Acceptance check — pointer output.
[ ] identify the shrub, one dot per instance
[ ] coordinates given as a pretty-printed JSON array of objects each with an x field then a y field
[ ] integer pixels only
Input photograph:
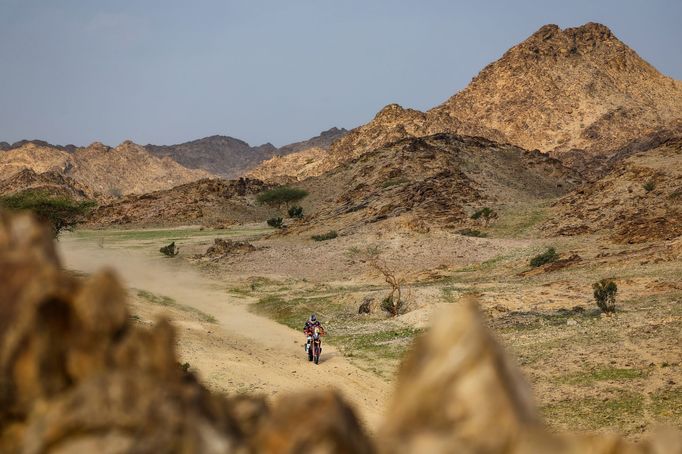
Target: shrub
[
  {"x": 649, "y": 186},
  {"x": 484, "y": 214},
  {"x": 170, "y": 251},
  {"x": 394, "y": 182},
  {"x": 325, "y": 236},
  {"x": 295, "y": 212},
  {"x": 277, "y": 223},
  {"x": 283, "y": 195},
  {"x": 548, "y": 256},
  {"x": 61, "y": 213},
  {"x": 387, "y": 304},
  {"x": 605, "y": 295},
  {"x": 472, "y": 232}
]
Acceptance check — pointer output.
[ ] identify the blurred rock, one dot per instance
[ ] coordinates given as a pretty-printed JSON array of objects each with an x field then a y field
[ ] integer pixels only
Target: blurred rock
[
  {"x": 317, "y": 422},
  {"x": 77, "y": 376},
  {"x": 457, "y": 390}
]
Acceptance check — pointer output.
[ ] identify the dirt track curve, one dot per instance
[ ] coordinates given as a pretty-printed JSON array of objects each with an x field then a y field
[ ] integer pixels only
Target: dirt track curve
[{"x": 257, "y": 350}]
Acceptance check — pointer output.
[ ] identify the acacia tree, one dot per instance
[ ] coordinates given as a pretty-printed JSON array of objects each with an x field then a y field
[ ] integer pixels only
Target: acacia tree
[
  {"x": 282, "y": 195},
  {"x": 60, "y": 212}
]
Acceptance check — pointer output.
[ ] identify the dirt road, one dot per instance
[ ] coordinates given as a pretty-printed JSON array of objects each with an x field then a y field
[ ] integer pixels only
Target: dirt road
[{"x": 243, "y": 351}]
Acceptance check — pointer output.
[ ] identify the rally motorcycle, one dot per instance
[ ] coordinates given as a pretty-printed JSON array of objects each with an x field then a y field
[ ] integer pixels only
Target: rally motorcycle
[{"x": 314, "y": 345}]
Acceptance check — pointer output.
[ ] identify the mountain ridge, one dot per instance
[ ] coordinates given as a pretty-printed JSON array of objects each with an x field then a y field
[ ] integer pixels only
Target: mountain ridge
[{"x": 558, "y": 90}]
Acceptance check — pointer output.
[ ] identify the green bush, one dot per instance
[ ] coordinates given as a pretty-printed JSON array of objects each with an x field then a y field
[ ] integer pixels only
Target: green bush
[
  {"x": 484, "y": 214},
  {"x": 472, "y": 232},
  {"x": 548, "y": 256},
  {"x": 605, "y": 295},
  {"x": 277, "y": 223},
  {"x": 325, "y": 236},
  {"x": 61, "y": 213},
  {"x": 649, "y": 186},
  {"x": 170, "y": 251},
  {"x": 394, "y": 182},
  {"x": 295, "y": 212},
  {"x": 283, "y": 195}
]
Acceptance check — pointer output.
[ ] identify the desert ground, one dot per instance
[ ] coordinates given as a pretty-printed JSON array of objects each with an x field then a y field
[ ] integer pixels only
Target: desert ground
[{"x": 239, "y": 317}]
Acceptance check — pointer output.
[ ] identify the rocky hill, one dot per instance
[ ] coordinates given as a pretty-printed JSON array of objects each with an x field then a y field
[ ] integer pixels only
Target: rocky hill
[
  {"x": 639, "y": 200},
  {"x": 211, "y": 202},
  {"x": 53, "y": 182},
  {"x": 297, "y": 166},
  {"x": 437, "y": 180},
  {"x": 559, "y": 90},
  {"x": 230, "y": 158},
  {"x": 101, "y": 171},
  {"x": 220, "y": 155}
]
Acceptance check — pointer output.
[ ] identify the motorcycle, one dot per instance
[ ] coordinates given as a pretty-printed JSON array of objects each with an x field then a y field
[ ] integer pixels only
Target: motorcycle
[{"x": 314, "y": 345}]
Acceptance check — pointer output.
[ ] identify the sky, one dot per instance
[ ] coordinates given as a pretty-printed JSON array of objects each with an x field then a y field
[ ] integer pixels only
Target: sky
[{"x": 167, "y": 71}]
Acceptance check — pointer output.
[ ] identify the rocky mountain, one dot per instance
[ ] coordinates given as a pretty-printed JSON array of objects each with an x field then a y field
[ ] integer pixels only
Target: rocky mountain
[
  {"x": 437, "y": 180},
  {"x": 210, "y": 202},
  {"x": 639, "y": 200},
  {"x": 230, "y": 158},
  {"x": 557, "y": 91},
  {"x": 219, "y": 155},
  {"x": 103, "y": 172},
  {"x": 4, "y": 146}
]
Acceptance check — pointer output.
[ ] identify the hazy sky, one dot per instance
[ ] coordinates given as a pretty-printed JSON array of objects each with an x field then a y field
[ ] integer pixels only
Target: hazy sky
[{"x": 166, "y": 71}]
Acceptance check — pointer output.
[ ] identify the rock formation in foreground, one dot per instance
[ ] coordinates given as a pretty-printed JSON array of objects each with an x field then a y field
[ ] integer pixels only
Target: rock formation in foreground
[{"x": 77, "y": 375}]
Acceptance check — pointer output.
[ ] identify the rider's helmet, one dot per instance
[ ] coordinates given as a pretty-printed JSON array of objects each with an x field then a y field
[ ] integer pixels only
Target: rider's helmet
[{"x": 313, "y": 317}]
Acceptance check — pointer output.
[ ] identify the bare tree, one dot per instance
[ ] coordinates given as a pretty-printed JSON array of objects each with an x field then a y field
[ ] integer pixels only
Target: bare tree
[{"x": 393, "y": 303}]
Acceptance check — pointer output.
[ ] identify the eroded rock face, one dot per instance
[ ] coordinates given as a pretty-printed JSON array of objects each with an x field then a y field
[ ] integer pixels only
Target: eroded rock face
[{"x": 77, "y": 376}]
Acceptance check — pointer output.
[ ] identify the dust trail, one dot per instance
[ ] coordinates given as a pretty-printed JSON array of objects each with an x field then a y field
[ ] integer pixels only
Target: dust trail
[{"x": 259, "y": 351}]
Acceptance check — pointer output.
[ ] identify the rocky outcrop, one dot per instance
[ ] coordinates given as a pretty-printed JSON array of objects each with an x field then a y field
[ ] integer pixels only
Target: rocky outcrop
[
  {"x": 53, "y": 182},
  {"x": 78, "y": 375},
  {"x": 103, "y": 172},
  {"x": 211, "y": 202},
  {"x": 291, "y": 168},
  {"x": 638, "y": 200}
]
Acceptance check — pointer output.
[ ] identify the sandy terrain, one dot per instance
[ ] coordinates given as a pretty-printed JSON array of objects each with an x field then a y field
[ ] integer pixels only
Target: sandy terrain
[{"x": 241, "y": 351}]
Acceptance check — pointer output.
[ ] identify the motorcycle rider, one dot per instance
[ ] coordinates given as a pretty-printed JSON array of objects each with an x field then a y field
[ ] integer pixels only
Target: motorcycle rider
[{"x": 309, "y": 328}]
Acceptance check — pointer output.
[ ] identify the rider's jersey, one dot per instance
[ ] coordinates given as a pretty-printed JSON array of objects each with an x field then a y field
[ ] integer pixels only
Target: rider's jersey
[{"x": 310, "y": 326}]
